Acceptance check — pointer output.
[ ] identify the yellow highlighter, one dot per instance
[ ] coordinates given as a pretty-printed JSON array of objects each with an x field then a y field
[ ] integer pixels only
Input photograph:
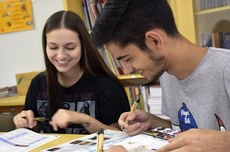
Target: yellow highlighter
[{"x": 100, "y": 140}]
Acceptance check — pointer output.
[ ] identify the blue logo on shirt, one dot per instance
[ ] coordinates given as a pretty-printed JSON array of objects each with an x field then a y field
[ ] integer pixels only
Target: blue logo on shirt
[{"x": 186, "y": 120}]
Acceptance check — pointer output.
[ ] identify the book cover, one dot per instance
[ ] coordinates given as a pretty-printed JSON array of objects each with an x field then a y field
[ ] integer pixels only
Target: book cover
[{"x": 216, "y": 39}]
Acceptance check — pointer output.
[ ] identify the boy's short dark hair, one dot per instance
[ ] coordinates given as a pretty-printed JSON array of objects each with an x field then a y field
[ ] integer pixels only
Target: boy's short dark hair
[{"x": 127, "y": 21}]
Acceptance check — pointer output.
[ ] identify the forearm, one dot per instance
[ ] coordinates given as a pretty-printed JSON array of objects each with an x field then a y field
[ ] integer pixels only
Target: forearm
[
  {"x": 225, "y": 138},
  {"x": 159, "y": 122},
  {"x": 92, "y": 125}
]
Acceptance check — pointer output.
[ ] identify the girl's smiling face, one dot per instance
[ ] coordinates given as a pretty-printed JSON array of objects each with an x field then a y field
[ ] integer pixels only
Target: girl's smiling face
[{"x": 64, "y": 49}]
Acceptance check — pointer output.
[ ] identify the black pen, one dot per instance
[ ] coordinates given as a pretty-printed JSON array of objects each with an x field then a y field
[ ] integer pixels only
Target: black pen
[{"x": 100, "y": 140}]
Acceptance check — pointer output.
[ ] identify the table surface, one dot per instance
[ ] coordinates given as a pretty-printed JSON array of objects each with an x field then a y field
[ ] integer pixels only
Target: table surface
[
  {"x": 62, "y": 139},
  {"x": 12, "y": 101}
]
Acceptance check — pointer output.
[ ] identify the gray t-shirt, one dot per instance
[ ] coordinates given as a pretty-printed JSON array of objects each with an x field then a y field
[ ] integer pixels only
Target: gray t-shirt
[{"x": 202, "y": 100}]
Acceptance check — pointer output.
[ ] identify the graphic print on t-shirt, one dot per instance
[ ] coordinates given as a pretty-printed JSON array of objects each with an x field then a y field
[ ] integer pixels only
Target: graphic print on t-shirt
[
  {"x": 87, "y": 107},
  {"x": 186, "y": 119}
]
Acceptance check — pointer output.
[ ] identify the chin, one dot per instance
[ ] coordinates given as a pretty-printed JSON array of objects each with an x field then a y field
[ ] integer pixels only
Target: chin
[{"x": 61, "y": 70}]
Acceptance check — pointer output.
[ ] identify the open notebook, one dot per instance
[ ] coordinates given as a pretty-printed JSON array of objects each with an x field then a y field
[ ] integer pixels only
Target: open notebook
[
  {"x": 149, "y": 141},
  {"x": 22, "y": 140}
]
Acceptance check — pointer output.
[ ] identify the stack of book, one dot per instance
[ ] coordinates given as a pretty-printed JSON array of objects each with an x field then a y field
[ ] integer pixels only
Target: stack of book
[
  {"x": 209, "y": 4},
  {"x": 217, "y": 39},
  {"x": 4, "y": 91}
]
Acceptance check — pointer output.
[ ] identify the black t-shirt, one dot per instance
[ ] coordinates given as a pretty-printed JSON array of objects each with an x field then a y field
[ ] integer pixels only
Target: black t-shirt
[{"x": 98, "y": 96}]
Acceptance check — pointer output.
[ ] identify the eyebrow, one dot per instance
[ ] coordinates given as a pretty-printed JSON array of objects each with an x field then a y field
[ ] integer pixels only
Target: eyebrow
[{"x": 121, "y": 57}]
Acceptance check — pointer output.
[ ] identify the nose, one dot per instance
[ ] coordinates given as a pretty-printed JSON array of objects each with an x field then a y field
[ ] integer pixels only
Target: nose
[
  {"x": 61, "y": 54},
  {"x": 127, "y": 68}
]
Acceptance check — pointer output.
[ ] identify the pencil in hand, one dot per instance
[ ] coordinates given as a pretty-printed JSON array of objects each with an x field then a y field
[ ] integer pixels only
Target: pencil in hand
[
  {"x": 41, "y": 119},
  {"x": 100, "y": 140},
  {"x": 135, "y": 104}
]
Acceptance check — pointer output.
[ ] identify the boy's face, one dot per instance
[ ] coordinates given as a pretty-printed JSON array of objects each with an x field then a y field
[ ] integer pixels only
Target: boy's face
[{"x": 133, "y": 59}]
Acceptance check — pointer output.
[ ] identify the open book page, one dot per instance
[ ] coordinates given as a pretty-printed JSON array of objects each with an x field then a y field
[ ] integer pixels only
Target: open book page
[
  {"x": 138, "y": 143},
  {"x": 22, "y": 140},
  {"x": 88, "y": 143}
]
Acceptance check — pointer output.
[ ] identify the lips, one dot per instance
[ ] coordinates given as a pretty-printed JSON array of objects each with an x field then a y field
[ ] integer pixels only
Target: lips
[{"x": 62, "y": 61}]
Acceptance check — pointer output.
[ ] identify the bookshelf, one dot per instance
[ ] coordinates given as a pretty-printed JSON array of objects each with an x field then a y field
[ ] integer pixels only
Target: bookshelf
[
  {"x": 133, "y": 79},
  {"x": 74, "y": 5},
  {"x": 210, "y": 17}
]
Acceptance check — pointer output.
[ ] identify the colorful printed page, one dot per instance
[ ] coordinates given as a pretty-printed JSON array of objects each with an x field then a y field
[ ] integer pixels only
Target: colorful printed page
[
  {"x": 138, "y": 143},
  {"x": 22, "y": 140},
  {"x": 88, "y": 143}
]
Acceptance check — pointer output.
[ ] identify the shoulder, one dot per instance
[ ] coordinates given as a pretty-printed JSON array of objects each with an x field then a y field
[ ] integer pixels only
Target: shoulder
[
  {"x": 104, "y": 81},
  {"x": 227, "y": 77},
  {"x": 219, "y": 53},
  {"x": 101, "y": 79},
  {"x": 39, "y": 78},
  {"x": 227, "y": 70}
]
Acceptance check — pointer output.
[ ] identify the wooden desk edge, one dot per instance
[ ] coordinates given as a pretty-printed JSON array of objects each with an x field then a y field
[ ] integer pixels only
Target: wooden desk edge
[{"x": 13, "y": 101}]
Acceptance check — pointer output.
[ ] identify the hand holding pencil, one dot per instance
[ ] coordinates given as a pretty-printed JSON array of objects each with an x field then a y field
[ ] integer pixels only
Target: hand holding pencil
[
  {"x": 134, "y": 106},
  {"x": 26, "y": 119},
  {"x": 135, "y": 121}
]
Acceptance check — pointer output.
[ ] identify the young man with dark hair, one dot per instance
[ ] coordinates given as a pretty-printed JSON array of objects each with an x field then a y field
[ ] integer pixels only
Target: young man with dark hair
[{"x": 195, "y": 81}]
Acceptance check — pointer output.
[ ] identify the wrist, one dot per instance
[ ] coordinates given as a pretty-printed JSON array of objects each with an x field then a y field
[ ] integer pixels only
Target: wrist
[{"x": 85, "y": 120}]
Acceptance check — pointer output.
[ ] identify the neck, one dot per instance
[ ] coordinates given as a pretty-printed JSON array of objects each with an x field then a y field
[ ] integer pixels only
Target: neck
[
  {"x": 184, "y": 57},
  {"x": 70, "y": 78}
]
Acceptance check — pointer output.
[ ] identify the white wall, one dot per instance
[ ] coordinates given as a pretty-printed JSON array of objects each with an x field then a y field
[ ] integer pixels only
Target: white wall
[{"x": 22, "y": 51}]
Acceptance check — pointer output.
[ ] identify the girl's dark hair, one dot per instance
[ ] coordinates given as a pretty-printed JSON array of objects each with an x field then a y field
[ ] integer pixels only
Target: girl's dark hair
[
  {"x": 127, "y": 21},
  {"x": 91, "y": 61}
]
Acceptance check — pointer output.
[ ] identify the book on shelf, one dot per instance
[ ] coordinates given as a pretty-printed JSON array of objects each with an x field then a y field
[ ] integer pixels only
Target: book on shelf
[
  {"x": 91, "y": 9},
  {"x": 86, "y": 15},
  {"x": 149, "y": 140},
  {"x": 216, "y": 39},
  {"x": 134, "y": 92},
  {"x": 210, "y": 4},
  {"x": 225, "y": 40},
  {"x": 206, "y": 39}
]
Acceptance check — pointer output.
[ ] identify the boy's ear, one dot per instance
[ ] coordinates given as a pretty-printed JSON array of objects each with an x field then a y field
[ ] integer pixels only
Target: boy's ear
[{"x": 154, "y": 40}]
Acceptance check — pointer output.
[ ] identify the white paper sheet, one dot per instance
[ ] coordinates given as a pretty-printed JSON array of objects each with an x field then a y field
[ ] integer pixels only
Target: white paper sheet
[{"x": 22, "y": 140}]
